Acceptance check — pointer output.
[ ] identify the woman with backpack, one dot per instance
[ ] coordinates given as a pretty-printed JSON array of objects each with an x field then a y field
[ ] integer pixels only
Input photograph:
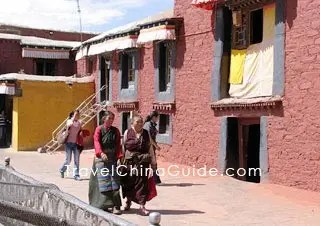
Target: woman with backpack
[{"x": 74, "y": 126}]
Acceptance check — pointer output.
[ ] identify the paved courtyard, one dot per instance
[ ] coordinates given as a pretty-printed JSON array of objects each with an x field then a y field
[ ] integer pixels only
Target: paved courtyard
[{"x": 191, "y": 200}]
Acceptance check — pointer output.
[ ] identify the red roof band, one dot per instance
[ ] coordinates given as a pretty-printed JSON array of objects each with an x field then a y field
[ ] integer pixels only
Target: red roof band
[{"x": 204, "y": 4}]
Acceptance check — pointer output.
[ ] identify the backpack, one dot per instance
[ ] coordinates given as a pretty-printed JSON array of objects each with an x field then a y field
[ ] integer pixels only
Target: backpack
[{"x": 62, "y": 136}]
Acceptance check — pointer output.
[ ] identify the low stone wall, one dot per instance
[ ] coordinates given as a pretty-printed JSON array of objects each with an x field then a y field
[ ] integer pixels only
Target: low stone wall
[{"x": 20, "y": 191}]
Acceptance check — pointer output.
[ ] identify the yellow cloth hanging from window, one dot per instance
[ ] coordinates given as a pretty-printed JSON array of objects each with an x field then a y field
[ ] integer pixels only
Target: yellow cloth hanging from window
[{"x": 238, "y": 58}]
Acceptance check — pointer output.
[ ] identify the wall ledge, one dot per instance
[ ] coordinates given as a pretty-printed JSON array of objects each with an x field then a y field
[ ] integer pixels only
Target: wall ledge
[{"x": 250, "y": 103}]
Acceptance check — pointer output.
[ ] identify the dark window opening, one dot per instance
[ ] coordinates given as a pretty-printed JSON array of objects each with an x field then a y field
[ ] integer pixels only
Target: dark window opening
[
  {"x": 104, "y": 79},
  {"x": 45, "y": 67},
  {"x": 165, "y": 57},
  {"x": 164, "y": 124},
  {"x": 256, "y": 26},
  {"x": 125, "y": 121},
  {"x": 128, "y": 70},
  {"x": 227, "y": 21}
]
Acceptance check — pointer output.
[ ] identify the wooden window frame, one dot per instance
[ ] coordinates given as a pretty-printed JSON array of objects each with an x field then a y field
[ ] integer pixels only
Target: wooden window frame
[{"x": 245, "y": 26}]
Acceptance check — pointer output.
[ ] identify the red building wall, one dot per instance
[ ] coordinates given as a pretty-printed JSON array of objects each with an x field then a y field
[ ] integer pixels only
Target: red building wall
[
  {"x": 193, "y": 91},
  {"x": 293, "y": 132},
  {"x": 195, "y": 129},
  {"x": 82, "y": 66},
  {"x": 11, "y": 60},
  {"x": 42, "y": 33},
  {"x": 294, "y": 140}
]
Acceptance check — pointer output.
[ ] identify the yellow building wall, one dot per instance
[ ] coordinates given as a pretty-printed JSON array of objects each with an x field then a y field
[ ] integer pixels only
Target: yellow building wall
[{"x": 42, "y": 107}]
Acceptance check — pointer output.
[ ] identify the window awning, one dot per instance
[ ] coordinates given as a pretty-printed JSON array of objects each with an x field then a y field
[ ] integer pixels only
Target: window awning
[
  {"x": 163, "y": 32},
  {"x": 45, "y": 53},
  {"x": 126, "y": 105},
  {"x": 82, "y": 52},
  {"x": 113, "y": 44},
  {"x": 163, "y": 106},
  {"x": 95, "y": 49},
  {"x": 204, "y": 4},
  {"x": 7, "y": 88}
]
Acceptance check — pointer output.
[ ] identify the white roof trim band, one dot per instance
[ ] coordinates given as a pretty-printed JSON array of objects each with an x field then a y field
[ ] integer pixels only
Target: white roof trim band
[
  {"x": 113, "y": 44},
  {"x": 165, "y": 32}
]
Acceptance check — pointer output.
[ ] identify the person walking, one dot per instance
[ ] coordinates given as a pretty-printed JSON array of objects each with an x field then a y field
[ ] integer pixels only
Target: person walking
[
  {"x": 151, "y": 126},
  {"x": 74, "y": 125},
  {"x": 136, "y": 186},
  {"x": 104, "y": 181}
]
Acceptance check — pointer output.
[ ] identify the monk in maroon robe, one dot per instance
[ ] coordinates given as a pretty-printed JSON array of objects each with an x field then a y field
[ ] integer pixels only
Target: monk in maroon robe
[{"x": 138, "y": 156}]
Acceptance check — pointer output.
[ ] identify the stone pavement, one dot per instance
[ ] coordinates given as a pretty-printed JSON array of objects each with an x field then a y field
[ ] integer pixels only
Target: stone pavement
[{"x": 191, "y": 200}]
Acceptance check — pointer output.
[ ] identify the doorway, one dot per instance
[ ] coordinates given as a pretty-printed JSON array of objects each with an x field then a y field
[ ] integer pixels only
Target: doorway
[
  {"x": 6, "y": 108},
  {"x": 125, "y": 121},
  {"x": 243, "y": 148},
  {"x": 104, "y": 78}
]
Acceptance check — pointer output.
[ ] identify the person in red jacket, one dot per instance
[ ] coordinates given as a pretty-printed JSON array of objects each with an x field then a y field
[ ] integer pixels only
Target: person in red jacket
[{"x": 104, "y": 184}]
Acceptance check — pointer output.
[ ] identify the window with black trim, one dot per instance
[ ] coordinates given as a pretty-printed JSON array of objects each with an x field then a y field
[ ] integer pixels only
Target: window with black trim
[
  {"x": 165, "y": 59},
  {"x": 45, "y": 67},
  {"x": 128, "y": 70},
  {"x": 164, "y": 124}
]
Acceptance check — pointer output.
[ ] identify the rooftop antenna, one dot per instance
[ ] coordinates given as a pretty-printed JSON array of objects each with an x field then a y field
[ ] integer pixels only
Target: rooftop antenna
[{"x": 79, "y": 11}]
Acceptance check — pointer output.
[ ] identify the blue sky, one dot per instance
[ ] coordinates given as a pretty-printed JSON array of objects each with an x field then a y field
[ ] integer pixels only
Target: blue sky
[
  {"x": 133, "y": 14},
  {"x": 97, "y": 15}
]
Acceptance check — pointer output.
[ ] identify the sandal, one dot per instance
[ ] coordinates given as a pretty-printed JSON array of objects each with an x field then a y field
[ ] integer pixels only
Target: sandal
[
  {"x": 144, "y": 211},
  {"x": 116, "y": 210},
  {"x": 127, "y": 206}
]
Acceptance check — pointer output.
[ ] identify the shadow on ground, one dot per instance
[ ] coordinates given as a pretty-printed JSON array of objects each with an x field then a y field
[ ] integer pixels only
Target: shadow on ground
[
  {"x": 71, "y": 178},
  {"x": 166, "y": 212},
  {"x": 179, "y": 185}
]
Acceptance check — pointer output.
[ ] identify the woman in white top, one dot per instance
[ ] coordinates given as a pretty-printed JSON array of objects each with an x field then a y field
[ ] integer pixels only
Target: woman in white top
[{"x": 73, "y": 127}]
